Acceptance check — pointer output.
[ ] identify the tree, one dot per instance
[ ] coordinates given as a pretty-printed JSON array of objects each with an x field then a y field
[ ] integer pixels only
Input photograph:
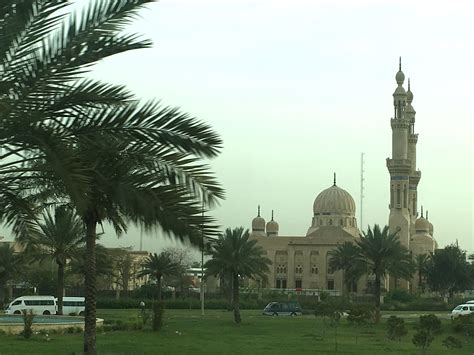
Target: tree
[
  {"x": 421, "y": 264},
  {"x": 104, "y": 267},
  {"x": 182, "y": 257},
  {"x": 383, "y": 255},
  {"x": 11, "y": 264},
  {"x": 346, "y": 257},
  {"x": 235, "y": 255},
  {"x": 88, "y": 143},
  {"x": 59, "y": 237},
  {"x": 449, "y": 271},
  {"x": 124, "y": 271},
  {"x": 156, "y": 266}
]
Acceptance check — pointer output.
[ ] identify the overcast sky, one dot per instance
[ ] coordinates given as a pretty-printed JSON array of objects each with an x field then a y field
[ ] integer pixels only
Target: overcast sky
[{"x": 299, "y": 89}]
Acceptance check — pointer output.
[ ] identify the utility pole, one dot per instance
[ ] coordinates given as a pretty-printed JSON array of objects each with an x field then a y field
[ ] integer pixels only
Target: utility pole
[{"x": 361, "y": 191}]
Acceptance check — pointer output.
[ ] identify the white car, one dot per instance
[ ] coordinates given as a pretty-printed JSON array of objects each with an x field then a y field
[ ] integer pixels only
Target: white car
[{"x": 463, "y": 309}]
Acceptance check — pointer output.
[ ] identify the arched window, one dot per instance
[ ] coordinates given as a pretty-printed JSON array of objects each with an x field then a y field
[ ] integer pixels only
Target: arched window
[{"x": 330, "y": 222}]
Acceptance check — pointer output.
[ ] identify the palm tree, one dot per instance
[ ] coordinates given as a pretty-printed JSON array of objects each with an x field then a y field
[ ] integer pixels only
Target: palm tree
[
  {"x": 235, "y": 255},
  {"x": 59, "y": 238},
  {"x": 346, "y": 257},
  {"x": 421, "y": 264},
  {"x": 383, "y": 255},
  {"x": 10, "y": 265},
  {"x": 156, "y": 266},
  {"x": 87, "y": 143}
]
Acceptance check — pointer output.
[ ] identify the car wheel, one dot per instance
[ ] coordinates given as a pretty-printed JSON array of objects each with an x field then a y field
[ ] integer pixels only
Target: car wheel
[
  {"x": 17, "y": 312},
  {"x": 275, "y": 314},
  {"x": 293, "y": 314},
  {"x": 46, "y": 313}
]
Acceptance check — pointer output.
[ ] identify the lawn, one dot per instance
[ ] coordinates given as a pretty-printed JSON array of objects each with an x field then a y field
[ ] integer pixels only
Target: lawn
[{"x": 187, "y": 332}]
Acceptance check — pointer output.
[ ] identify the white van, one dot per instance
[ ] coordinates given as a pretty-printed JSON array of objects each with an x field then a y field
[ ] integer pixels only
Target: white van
[
  {"x": 73, "y": 305},
  {"x": 45, "y": 305},
  {"x": 463, "y": 309}
]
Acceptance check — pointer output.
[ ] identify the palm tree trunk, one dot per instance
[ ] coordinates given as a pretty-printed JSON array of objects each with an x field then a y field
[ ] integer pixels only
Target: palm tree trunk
[
  {"x": 90, "y": 289},
  {"x": 377, "y": 292},
  {"x": 235, "y": 300},
  {"x": 158, "y": 285},
  {"x": 420, "y": 280},
  {"x": 60, "y": 289}
]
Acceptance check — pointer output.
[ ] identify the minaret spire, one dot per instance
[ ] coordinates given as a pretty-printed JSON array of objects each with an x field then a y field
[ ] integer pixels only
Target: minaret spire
[
  {"x": 400, "y": 63},
  {"x": 272, "y": 215},
  {"x": 258, "y": 215},
  {"x": 334, "y": 179},
  {"x": 426, "y": 214},
  {"x": 421, "y": 211}
]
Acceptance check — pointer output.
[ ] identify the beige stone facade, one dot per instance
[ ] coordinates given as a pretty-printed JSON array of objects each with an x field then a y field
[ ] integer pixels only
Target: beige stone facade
[{"x": 301, "y": 262}]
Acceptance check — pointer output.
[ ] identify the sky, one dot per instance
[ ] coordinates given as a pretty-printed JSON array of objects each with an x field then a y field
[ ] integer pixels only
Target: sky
[{"x": 299, "y": 89}]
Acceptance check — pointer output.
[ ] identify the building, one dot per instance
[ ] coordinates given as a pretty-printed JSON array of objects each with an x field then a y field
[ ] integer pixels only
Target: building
[{"x": 302, "y": 262}]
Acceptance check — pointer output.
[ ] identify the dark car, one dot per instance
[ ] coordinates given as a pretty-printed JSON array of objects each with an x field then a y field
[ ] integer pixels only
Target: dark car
[{"x": 282, "y": 309}]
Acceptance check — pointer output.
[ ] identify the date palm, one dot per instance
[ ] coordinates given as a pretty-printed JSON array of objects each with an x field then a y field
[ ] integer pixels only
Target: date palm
[
  {"x": 11, "y": 264},
  {"x": 59, "y": 237},
  {"x": 87, "y": 143},
  {"x": 157, "y": 266},
  {"x": 346, "y": 257},
  {"x": 235, "y": 255},
  {"x": 421, "y": 264},
  {"x": 384, "y": 255}
]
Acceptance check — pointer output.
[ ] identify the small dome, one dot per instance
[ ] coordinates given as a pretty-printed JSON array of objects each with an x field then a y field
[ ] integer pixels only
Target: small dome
[
  {"x": 400, "y": 77},
  {"x": 334, "y": 201},
  {"x": 258, "y": 224},
  {"x": 409, "y": 96},
  {"x": 272, "y": 227},
  {"x": 399, "y": 91},
  {"x": 422, "y": 225}
]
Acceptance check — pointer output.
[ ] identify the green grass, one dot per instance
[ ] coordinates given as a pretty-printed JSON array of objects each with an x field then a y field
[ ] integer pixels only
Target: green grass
[{"x": 187, "y": 332}]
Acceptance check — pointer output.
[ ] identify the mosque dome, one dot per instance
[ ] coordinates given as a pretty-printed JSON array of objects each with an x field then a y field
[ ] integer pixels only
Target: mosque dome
[
  {"x": 422, "y": 225},
  {"x": 409, "y": 96},
  {"x": 400, "y": 77},
  {"x": 258, "y": 224},
  {"x": 334, "y": 201},
  {"x": 272, "y": 227}
]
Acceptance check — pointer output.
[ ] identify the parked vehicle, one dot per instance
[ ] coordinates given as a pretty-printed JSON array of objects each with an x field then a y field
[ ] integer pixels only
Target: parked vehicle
[
  {"x": 463, "y": 309},
  {"x": 282, "y": 309},
  {"x": 45, "y": 305},
  {"x": 73, "y": 305}
]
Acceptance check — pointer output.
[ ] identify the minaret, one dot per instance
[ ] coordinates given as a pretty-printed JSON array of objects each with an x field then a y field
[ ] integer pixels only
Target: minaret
[
  {"x": 415, "y": 175},
  {"x": 399, "y": 166}
]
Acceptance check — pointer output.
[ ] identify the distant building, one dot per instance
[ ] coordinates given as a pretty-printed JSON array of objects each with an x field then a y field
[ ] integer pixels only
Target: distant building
[{"x": 302, "y": 262}]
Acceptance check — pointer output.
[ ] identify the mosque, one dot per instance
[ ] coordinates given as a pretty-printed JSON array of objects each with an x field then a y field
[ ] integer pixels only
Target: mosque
[{"x": 302, "y": 262}]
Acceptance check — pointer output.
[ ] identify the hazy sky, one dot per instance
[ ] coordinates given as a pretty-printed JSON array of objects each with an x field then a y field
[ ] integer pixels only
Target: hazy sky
[{"x": 298, "y": 89}]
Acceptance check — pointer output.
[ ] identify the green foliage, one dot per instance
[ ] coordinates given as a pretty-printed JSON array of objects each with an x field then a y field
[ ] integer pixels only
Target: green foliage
[
  {"x": 422, "y": 339},
  {"x": 383, "y": 254},
  {"x": 11, "y": 264},
  {"x": 158, "y": 313},
  {"x": 346, "y": 257},
  {"x": 323, "y": 295},
  {"x": 452, "y": 343},
  {"x": 449, "y": 271},
  {"x": 396, "y": 328},
  {"x": 27, "y": 323},
  {"x": 431, "y": 323},
  {"x": 361, "y": 314},
  {"x": 464, "y": 324},
  {"x": 428, "y": 326},
  {"x": 400, "y": 296}
]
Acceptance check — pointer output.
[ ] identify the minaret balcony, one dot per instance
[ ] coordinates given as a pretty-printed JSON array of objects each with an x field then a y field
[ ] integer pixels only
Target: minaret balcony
[
  {"x": 413, "y": 138},
  {"x": 399, "y": 166},
  {"x": 399, "y": 123}
]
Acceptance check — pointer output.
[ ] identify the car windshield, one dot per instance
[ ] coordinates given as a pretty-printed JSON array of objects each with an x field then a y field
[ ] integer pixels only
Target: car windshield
[{"x": 458, "y": 308}]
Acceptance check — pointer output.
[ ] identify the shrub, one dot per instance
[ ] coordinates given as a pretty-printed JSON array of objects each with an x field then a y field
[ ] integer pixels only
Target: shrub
[
  {"x": 158, "y": 312},
  {"x": 399, "y": 295},
  {"x": 27, "y": 323},
  {"x": 430, "y": 323},
  {"x": 464, "y": 324},
  {"x": 452, "y": 343},
  {"x": 396, "y": 328},
  {"x": 422, "y": 339},
  {"x": 360, "y": 314}
]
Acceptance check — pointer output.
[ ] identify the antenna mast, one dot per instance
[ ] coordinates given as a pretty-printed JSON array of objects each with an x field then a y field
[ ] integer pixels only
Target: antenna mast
[{"x": 361, "y": 190}]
